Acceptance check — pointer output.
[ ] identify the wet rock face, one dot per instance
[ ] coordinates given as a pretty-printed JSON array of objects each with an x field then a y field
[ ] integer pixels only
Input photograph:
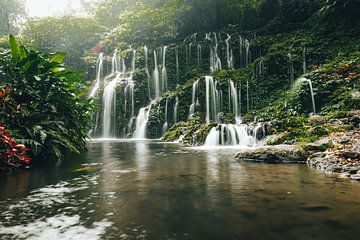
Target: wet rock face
[{"x": 274, "y": 154}]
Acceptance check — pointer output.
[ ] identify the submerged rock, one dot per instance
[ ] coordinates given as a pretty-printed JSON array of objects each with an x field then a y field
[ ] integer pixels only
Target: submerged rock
[{"x": 274, "y": 154}]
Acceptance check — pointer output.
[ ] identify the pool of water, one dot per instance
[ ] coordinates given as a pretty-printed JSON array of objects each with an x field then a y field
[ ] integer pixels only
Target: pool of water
[{"x": 152, "y": 190}]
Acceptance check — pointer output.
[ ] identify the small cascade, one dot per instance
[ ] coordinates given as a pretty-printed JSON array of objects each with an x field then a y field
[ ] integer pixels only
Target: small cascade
[
  {"x": 109, "y": 108},
  {"x": 247, "y": 96},
  {"x": 141, "y": 122},
  {"x": 195, "y": 100},
  {"x": 156, "y": 78},
  {"x": 164, "y": 77},
  {"x": 115, "y": 62},
  {"x": 229, "y": 54},
  {"x": 255, "y": 133},
  {"x": 199, "y": 55},
  {"x": 312, "y": 95},
  {"x": 176, "y": 107},
  {"x": 247, "y": 52},
  {"x": 233, "y": 95},
  {"x": 215, "y": 62},
  {"x": 146, "y": 56},
  {"x": 99, "y": 75},
  {"x": 240, "y": 102},
  {"x": 231, "y": 135},
  {"x": 177, "y": 64},
  {"x": 133, "y": 59},
  {"x": 291, "y": 67},
  {"x": 166, "y": 124},
  {"x": 211, "y": 100}
]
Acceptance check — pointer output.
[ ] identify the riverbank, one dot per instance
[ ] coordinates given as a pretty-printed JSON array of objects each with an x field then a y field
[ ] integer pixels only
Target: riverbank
[{"x": 338, "y": 154}]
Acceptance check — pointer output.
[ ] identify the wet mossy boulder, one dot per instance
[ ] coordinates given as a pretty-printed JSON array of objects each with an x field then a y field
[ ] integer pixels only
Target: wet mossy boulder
[{"x": 274, "y": 154}]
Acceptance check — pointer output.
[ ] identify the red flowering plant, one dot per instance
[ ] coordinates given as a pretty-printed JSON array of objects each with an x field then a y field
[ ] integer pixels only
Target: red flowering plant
[{"x": 12, "y": 155}]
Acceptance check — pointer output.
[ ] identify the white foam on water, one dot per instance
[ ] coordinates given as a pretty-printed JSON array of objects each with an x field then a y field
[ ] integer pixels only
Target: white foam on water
[{"x": 58, "y": 227}]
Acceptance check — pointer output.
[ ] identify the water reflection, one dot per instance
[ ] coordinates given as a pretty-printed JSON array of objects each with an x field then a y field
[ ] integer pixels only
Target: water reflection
[{"x": 149, "y": 190}]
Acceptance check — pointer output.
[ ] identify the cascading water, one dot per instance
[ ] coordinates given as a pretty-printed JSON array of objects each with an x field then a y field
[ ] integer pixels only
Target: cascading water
[
  {"x": 229, "y": 57},
  {"x": 234, "y": 100},
  {"x": 215, "y": 62},
  {"x": 109, "y": 107},
  {"x": 164, "y": 78},
  {"x": 141, "y": 122},
  {"x": 176, "y": 107},
  {"x": 99, "y": 74},
  {"x": 199, "y": 55},
  {"x": 195, "y": 100},
  {"x": 247, "y": 96},
  {"x": 156, "y": 78},
  {"x": 177, "y": 64},
  {"x": 211, "y": 100},
  {"x": 230, "y": 135},
  {"x": 166, "y": 124},
  {"x": 312, "y": 95},
  {"x": 247, "y": 52},
  {"x": 146, "y": 56}
]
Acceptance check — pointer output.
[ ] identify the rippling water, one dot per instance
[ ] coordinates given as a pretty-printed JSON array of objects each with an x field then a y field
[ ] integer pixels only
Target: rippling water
[{"x": 150, "y": 190}]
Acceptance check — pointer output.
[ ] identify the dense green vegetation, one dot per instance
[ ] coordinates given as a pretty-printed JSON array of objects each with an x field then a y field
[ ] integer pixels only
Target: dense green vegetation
[
  {"x": 42, "y": 102},
  {"x": 46, "y": 109}
]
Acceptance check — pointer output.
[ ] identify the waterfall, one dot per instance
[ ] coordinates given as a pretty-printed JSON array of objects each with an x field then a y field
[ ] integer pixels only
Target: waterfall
[
  {"x": 195, "y": 100},
  {"x": 215, "y": 62},
  {"x": 176, "y": 107},
  {"x": 166, "y": 124},
  {"x": 241, "y": 46},
  {"x": 177, "y": 64},
  {"x": 146, "y": 56},
  {"x": 240, "y": 103},
  {"x": 141, "y": 122},
  {"x": 291, "y": 67},
  {"x": 115, "y": 62},
  {"x": 231, "y": 135},
  {"x": 312, "y": 95},
  {"x": 233, "y": 94},
  {"x": 156, "y": 78},
  {"x": 133, "y": 60},
  {"x": 228, "y": 52},
  {"x": 164, "y": 78},
  {"x": 247, "y": 52},
  {"x": 211, "y": 100},
  {"x": 199, "y": 55},
  {"x": 247, "y": 96},
  {"x": 99, "y": 74},
  {"x": 109, "y": 107}
]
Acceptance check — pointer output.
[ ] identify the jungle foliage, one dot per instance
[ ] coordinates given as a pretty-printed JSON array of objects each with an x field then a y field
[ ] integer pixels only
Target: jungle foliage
[{"x": 43, "y": 102}]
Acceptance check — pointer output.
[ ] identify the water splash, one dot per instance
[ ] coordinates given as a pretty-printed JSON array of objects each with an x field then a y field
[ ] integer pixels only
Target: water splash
[{"x": 99, "y": 74}]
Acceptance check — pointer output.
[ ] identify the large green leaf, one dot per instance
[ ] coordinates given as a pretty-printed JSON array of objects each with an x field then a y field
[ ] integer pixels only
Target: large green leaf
[
  {"x": 15, "y": 48},
  {"x": 58, "y": 58}
]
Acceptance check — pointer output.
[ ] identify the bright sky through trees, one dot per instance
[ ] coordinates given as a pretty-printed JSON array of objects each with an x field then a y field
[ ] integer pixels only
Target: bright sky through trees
[{"x": 43, "y": 8}]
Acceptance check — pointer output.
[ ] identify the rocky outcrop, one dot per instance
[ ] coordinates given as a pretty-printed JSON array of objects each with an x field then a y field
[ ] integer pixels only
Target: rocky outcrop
[
  {"x": 343, "y": 160},
  {"x": 274, "y": 154}
]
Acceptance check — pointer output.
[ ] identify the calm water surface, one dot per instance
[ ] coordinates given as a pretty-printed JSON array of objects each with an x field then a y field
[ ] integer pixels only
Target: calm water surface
[{"x": 150, "y": 190}]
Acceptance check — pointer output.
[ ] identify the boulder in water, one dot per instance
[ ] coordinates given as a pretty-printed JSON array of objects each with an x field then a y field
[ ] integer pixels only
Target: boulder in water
[{"x": 274, "y": 154}]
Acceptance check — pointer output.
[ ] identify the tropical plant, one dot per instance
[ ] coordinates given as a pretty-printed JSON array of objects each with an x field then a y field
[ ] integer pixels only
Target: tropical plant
[
  {"x": 12, "y": 155},
  {"x": 44, "y": 104}
]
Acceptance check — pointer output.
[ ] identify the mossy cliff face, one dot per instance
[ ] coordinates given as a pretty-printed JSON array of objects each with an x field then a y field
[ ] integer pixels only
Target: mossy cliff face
[{"x": 268, "y": 86}]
